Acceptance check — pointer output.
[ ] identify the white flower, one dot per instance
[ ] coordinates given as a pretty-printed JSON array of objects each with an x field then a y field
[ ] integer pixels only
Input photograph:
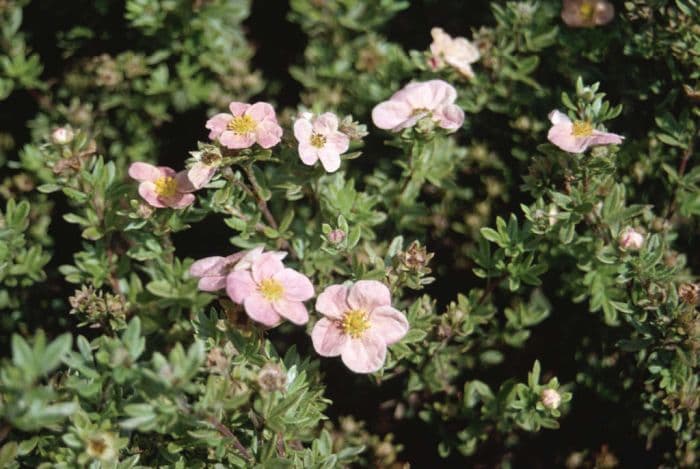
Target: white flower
[{"x": 457, "y": 52}]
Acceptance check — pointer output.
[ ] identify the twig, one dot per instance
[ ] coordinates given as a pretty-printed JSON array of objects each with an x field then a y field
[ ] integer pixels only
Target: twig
[
  {"x": 224, "y": 430},
  {"x": 490, "y": 287}
]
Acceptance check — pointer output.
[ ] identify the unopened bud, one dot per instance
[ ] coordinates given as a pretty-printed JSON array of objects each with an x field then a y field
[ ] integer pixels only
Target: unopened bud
[
  {"x": 272, "y": 378},
  {"x": 62, "y": 135},
  {"x": 336, "y": 236},
  {"x": 550, "y": 398},
  {"x": 630, "y": 239}
]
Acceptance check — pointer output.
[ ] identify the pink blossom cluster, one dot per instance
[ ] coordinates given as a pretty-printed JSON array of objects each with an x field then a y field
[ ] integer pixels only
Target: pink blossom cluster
[{"x": 358, "y": 322}]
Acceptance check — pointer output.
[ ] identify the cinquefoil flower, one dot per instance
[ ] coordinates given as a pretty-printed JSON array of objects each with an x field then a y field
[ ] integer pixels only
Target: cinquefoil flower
[
  {"x": 456, "y": 52},
  {"x": 359, "y": 324},
  {"x": 587, "y": 13},
  {"x": 320, "y": 139},
  {"x": 246, "y": 125},
  {"x": 212, "y": 271},
  {"x": 162, "y": 186},
  {"x": 434, "y": 99},
  {"x": 577, "y": 136}
]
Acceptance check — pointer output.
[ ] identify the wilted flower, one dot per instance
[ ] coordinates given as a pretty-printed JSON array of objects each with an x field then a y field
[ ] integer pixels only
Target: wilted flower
[
  {"x": 457, "y": 52},
  {"x": 101, "y": 446},
  {"x": 62, "y": 135},
  {"x": 587, "y": 13},
  {"x": 359, "y": 324},
  {"x": 162, "y": 186},
  {"x": 207, "y": 162},
  {"x": 272, "y": 377},
  {"x": 689, "y": 293},
  {"x": 270, "y": 292},
  {"x": 246, "y": 125},
  {"x": 212, "y": 271},
  {"x": 577, "y": 136},
  {"x": 320, "y": 139},
  {"x": 550, "y": 398},
  {"x": 631, "y": 239},
  {"x": 434, "y": 99}
]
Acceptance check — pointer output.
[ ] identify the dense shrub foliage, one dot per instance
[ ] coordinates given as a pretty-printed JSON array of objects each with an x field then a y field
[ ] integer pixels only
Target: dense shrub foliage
[{"x": 429, "y": 232}]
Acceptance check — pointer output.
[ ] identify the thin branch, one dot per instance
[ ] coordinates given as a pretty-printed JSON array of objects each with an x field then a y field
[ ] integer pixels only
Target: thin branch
[{"x": 224, "y": 430}]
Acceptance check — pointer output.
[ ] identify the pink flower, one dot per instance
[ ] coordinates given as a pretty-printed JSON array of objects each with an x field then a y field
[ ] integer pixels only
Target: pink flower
[
  {"x": 587, "y": 13},
  {"x": 212, "y": 271},
  {"x": 320, "y": 139},
  {"x": 246, "y": 125},
  {"x": 269, "y": 292},
  {"x": 631, "y": 239},
  {"x": 359, "y": 324},
  {"x": 458, "y": 52},
  {"x": 576, "y": 137},
  {"x": 162, "y": 186},
  {"x": 434, "y": 99},
  {"x": 62, "y": 135}
]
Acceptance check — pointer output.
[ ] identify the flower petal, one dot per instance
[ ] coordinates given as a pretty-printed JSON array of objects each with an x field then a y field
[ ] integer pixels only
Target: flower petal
[
  {"x": 390, "y": 323},
  {"x": 557, "y": 117},
  {"x": 261, "y": 112},
  {"x": 333, "y": 301},
  {"x": 235, "y": 141},
  {"x": 212, "y": 283},
  {"x": 328, "y": 339},
  {"x": 326, "y": 123},
  {"x": 143, "y": 172},
  {"x": 450, "y": 117},
  {"x": 330, "y": 159},
  {"x": 180, "y": 200},
  {"x": 268, "y": 133},
  {"x": 366, "y": 354},
  {"x": 237, "y": 108},
  {"x": 207, "y": 266},
  {"x": 605, "y": 138},
  {"x": 261, "y": 310},
  {"x": 368, "y": 295},
  {"x": 295, "y": 311},
  {"x": 240, "y": 285},
  {"x": 297, "y": 287},
  {"x": 147, "y": 190},
  {"x": 302, "y": 130},
  {"x": 217, "y": 124},
  {"x": 200, "y": 174},
  {"x": 562, "y": 136},
  {"x": 308, "y": 154},
  {"x": 266, "y": 266},
  {"x": 390, "y": 114}
]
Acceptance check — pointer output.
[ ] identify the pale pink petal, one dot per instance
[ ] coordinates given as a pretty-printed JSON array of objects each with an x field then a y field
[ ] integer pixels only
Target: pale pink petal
[
  {"x": 423, "y": 96},
  {"x": 180, "y": 200},
  {"x": 297, "y": 287},
  {"x": 217, "y": 124},
  {"x": 261, "y": 310},
  {"x": 302, "y": 129},
  {"x": 326, "y": 123},
  {"x": 450, "y": 117},
  {"x": 604, "y": 13},
  {"x": 240, "y": 285},
  {"x": 248, "y": 257},
  {"x": 212, "y": 283},
  {"x": 561, "y": 135},
  {"x": 439, "y": 93},
  {"x": 238, "y": 108},
  {"x": 308, "y": 154},
  {"x": 183, "y": 182},
  {"x": 295, "y": 311},
  {"x": 330, "y": 159},
  {"x": 268, "y": 133},
  {"x": 166, "y": 171},
  {"x": 332, "y": 302},
  {"x": 207, "y": 266},
  {"x": 328, "y": 339},
  {"x": 143, "y": 172},
  {"x": 366, "y": 354},
  {"x": 389, "y": 323},
  {"x": 368, "y": 295},
  {"x": 390, "y": 114},
  {"x": 261, "y": 112},
  {"x": 266, "y": 266},
  {"x": 200, "y": 174},
  {"x": 339, "y": 141},
  {"x": 557, "y": 117},
  {"x": 235, "y": 141},
  {"x": 605, "y": 138},
  {"x": 147, "y": 190}
]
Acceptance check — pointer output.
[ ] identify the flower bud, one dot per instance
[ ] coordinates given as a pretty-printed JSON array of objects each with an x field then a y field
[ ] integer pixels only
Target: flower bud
[
  {"x": 630, "y": 239},
  {"x": 550, "y": 398},
  {"x": 336, "y": 236},
  {"x": 102, "y": 446},
  {"x": 272, "y": 378},
  {"x": 62, "y": 135}
]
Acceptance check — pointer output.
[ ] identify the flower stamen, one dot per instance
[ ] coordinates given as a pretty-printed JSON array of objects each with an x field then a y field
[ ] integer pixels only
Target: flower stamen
[
  {"x": 271, "y": 289},
  {"x": 355, "y": 323},
  {"x": 241, "y": 125},
  {"x": 166, "y": 186},
  {"x": 582, "y": 129},
  {"x": 317, "y": 140}
]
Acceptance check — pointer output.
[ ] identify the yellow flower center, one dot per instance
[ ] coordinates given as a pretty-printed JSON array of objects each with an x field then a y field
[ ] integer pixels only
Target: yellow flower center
[
  {"x": 419, "y": 111},
  {"x": 582, "y": 129},
  {"x": 271, "y": 289},
  {"x": 242, "y": 124},
  {"x": 317, "y": 140},
  {"x": 587, "y": 11},
  {"x": 355, "y": 323},
  {"x": 166, "y": 186}
]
